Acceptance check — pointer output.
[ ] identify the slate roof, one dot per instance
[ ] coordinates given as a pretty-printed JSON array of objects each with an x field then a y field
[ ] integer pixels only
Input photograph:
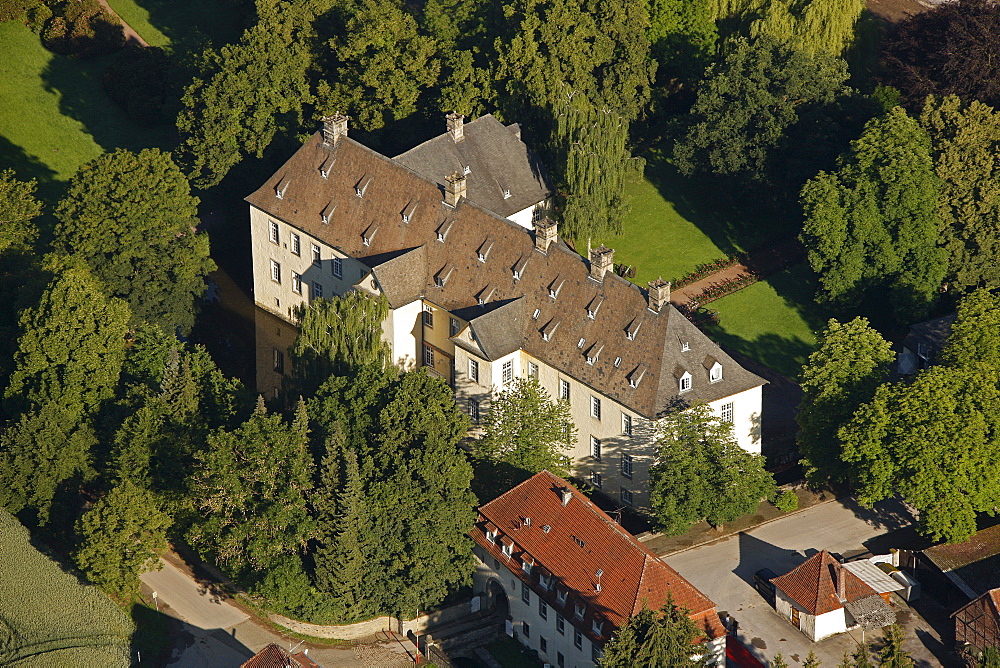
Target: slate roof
[
  {"x": 932, "y": 333},
  {"x": 497, "y": 159},
  {"x": 813, "y": 584},
  {"x": 571, "y": 543},
  {"x": 390, "y": 188}
]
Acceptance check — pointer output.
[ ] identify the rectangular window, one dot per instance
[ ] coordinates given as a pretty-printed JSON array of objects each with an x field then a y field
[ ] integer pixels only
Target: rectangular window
[
  {"x": 560, "y": 660},
  {"x": 727, "y": 413},
  {"x": 317, "y": 290},
  {"x": 626, "y": 465},
  {"x": 626, "y": 496},
  {"x": 577, "y": 639},
  {"x": 337, "y": 267},
  {"x": 275, "y": 272},
  {"x": 275, "y": 232},
  {"x": 508, "y": 371},
  {"x": 580, "y": 610},
  {"x": 279, "y": 361},
  {"x": 526, "y": 629},
  {"x": 316, "y": 255},
  {"x": 474, "y": 411},
  {"x": 428, "y": 316},
  {"x": 561, "y": 625},
  {"x": 296, "y": 244},
  {"x": 533, "y": 370},
  {"x": 595, "y": 448},
  {"x": 428, "y": 356},
  {"x": 685, "y": 382},
  {"x": 595, "y": 407},
  {"x": 626, "y": 424},
  {"x": 296, "y": 283},
  {"x": 564, "y": 390},
  {"x": 595, "y": 479},
  {"x": 543, "y": 645},
  {"x": 453, "y": 326},
  {"x": 474, "y": 371},
  {"x": 525, "y": 593},
  {"x": 595, "y": 652},
  {"x": 543, "y": 610}
]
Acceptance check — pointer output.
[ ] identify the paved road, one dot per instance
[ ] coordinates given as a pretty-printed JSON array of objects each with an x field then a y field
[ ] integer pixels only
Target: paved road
[{"x": 724, "y": 571}]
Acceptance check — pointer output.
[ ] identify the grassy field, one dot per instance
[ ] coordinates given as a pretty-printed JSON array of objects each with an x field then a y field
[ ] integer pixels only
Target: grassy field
[
  {"x": 61, "y": 118},
  {"x": 47, "y": 618},
  {"x": 181, "y": 24}
]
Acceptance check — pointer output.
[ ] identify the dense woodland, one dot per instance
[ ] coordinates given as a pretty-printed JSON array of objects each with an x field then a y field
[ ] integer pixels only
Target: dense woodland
[{"x": 120, "y": 433}]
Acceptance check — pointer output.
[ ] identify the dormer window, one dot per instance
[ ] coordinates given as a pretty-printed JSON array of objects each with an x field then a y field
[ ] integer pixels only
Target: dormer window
[
  {"x": 506, "y": 193},
  {"x": 279, "y": 190},
  {"x": 484, "y": 251},
  {"x": 685, "y": 346},
  {"x": 327, "y": 213},
  {"x": 549, "y": 330},
  {"x": 545, "y": 581},
  {"x": 685, "y": 382},
  {"x": 485, "y": 294},
  {"x": 369, "y": 234},
  {"x": 444, "y": 228},
  {"x": 527, "y": 566},
  {"x": 467, "y": 170},
  {"x": 441, "y": 278},
  {"x": 597, "y": 628},
  {"x": 594, "y": 306},
  {"x": 561, "y": 596},
  {"x": 555, "y": 286},
  {"x": 518, "y": 268},
  {"x": 362, "y": 185},
  {"x": 594, "y": 352},
  {"x": 491, "y": 536},
  {"x": 507, "y": 549},
  {"x": 635, "y": 377},
  {"x": 324, "y": 169},
  {"x": 408, "y": 212},
  {"x": 580, "y": 610},
  {"x": 715, "y": 374},
  {"x": 633, "y": 329}
]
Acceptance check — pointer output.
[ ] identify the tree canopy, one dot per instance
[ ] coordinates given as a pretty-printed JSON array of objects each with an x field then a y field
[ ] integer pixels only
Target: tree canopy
[
  {"x": 132, "y": 218},
  {"x": 18, "y": 209},
  {"x": 872, "y": 227},
  {"x": 701, "y": 473},
  {"x": 851, "y": 361},
  {"x": 654, "y": 639}
]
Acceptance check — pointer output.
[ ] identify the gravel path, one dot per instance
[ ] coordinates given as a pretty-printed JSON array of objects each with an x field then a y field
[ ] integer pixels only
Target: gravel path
[{"x": 131, "y": 36}]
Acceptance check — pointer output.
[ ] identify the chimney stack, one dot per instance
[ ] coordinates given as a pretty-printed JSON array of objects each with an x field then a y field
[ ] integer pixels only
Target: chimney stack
[
  {"x": 334, "y": 127},
  {"x": 456, "y": 123},
  {"x": 840, "y": 582},
  {"x": 565, "y": 495},
  {"x": 546, "y": 232},
  {"x": 454, "y": 189},
  {"x": 601, "y": 259},
  {"x": 659, "y": 294}
]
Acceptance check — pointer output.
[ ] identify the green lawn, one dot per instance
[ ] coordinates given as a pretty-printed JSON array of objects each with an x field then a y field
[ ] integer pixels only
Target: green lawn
[
  {"x": 773, "y": 322},
  {"x": 181, "y": 24},
  {"x": 57, "y": 115}
]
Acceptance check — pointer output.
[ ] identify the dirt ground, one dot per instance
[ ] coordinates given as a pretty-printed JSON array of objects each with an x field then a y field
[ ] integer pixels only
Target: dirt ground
[{"x": 895, "y": 10}]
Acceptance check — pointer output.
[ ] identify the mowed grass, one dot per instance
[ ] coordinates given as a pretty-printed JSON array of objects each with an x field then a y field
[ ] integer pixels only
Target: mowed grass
[
  {"x": 56, "y": 116},
  {"x": 181, "y": 24}
]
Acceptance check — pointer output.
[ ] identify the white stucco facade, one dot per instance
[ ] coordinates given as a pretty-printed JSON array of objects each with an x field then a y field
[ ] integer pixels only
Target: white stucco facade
[{"x": 814, "y": 627}]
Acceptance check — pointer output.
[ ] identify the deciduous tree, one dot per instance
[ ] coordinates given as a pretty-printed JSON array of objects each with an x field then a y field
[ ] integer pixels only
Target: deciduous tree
[
  {"x": 702, "y": 474},
  {"x": 872, "y": 227},
  {"x": 123, "y": 536},
  {"x": 18, "y": 209},
  {"x": 662, "y": 638},
  {"x": 132, "y": 218},
  {"x": 851, "y": 361},
  {"x": 526, "y": 429}
]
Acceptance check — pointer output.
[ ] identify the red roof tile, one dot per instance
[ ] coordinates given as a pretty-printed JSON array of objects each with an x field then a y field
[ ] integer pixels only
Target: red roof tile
[
  {"x": 573, "y": 542},
  {"x": 813, "y": 584},
  {"x": 273, "y": 656}
]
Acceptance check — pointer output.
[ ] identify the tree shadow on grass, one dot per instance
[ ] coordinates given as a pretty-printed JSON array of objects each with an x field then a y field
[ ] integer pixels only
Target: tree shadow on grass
[
  {"x": 28, "y": 167},
  {"x": 732, "y": 218},
  {"x": 191, "y": 25}
]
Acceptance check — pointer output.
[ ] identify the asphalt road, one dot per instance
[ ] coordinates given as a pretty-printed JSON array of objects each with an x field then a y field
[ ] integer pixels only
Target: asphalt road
[{"x": 724, "y": 571}]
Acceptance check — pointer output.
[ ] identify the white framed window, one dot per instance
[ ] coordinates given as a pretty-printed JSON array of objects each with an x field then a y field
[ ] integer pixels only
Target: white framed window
[
  {"x": 579, "y": 344},
  {"x": 316, "y": 256},
  {"x": 508, "y": 371},
  {"x": 598, "y": 630},
  {"x": 715, "y": 375},
  {"x": 337, "y": 267},
  {"x": 274, "y": 231},
  {"x": 561, "y": 595},
  {"x": 317, "y": 291},
  {"x": 525, "y": 595},
  {"x": 453, "y": 326},
  {"x": 428, "y": 316},
  {"x": 685, "y": 346},
  {"x": 727, "y": 412},
  {"x": 580, "y": 610},
  {"x": 595, "y": 479},
  {"x": 296, "y": 243},
  {"x": 275, "y": 272},
  {"x": 474, "y": 371},
  {"x": 527, "y": 566},
  {"x": 685, "y": 382},
  {"x": 474, "y": 411},
  {"x": 491, "y": 536},
  {"x": 595, "y": 407},
  {"x": 626, "y": 496},
  {"x": 296, "y": 283},
  {"x": 561, "y": 625},
  {"x": 626, "y": 465},
  {"x": 545, "y": 581},
  {"x": 626, "y": 424},
  {"x": 507, "y": 549},
  {"x": 533, "y": 370},
  {"x": 564, "y": 389},
  {"x": 543, "y": 610},
  {"x": 595, "y": 448},
  {"x": 577, "y": 639},
  {"x": 428, "y": 356}
]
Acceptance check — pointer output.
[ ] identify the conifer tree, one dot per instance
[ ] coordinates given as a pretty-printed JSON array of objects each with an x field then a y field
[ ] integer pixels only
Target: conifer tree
[
  {"x": 893, "y": 655},
  {"x": 662, "y": 638}
]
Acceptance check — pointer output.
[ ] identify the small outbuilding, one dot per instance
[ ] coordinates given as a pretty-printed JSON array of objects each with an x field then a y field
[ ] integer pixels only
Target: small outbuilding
[
  {"x": 821, "y": 598},
  {"x": 977, "y": 623}
]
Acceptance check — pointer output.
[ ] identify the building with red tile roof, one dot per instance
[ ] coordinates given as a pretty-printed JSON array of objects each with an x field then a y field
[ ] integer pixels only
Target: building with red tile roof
[
  {"x": 822, "y": 598},
  {"x": 977, "y": 623},
  {"x": 273, "y": 656},
  {"x": 572, "y": 576}
]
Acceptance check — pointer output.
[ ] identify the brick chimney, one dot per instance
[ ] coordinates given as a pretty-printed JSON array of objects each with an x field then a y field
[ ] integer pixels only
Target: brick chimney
[
  {"x": 546, "y": 232},
  {"x": 841, "y": 594},
  {"x": 659, "y": 294},
  {"x": 456, "y": 123},
  {"x": 454, "y": 189},
  {"x": 601, "y": 260},
  {"x": 334, "y": 127}
]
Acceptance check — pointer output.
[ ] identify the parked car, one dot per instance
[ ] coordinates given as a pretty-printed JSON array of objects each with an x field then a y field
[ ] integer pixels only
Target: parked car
[{"x": 762, "y": 583}]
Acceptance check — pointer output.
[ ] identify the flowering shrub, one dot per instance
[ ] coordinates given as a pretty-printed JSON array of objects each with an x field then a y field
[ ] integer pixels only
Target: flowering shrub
[
  {"x": 723, "y": 288},
  {"x": 703, "y": 270}
]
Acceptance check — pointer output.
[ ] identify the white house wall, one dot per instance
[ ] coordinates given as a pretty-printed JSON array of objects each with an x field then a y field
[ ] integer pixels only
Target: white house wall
[
  {"x": 746, "y": 417},
  {"x": 525, "y": 216},
  {"x": 813, "y": 627}
]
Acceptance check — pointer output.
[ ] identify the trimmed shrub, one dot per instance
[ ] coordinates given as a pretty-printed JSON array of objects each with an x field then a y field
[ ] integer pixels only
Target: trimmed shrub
[
  {"x": 13, "y": 10},
  {"x": 787, "y": 501},
  {"x": 83, "y": 28},
  {"x": 143, "y": 82}
]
